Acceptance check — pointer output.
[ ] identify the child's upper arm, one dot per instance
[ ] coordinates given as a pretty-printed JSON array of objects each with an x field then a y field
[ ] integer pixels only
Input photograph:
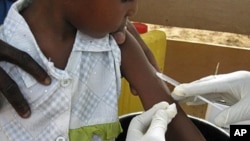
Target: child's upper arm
[{"x": 151, "y": 90}]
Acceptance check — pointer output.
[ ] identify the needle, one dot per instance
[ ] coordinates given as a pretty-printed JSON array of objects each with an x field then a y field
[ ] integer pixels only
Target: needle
[
  {"x": 209, "y": 102},
  {"x": 217, "y": 68},
  {"x": 175, "y": 83},
  {"x": 167, "y": 79}
]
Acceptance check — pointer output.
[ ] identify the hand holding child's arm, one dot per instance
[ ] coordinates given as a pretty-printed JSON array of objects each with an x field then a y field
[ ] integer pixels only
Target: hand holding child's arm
[{"x": 8, "y": 87}]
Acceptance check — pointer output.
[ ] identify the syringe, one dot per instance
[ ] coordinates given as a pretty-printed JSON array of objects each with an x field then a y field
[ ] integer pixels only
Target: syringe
[{"x": 176, "y": 83}]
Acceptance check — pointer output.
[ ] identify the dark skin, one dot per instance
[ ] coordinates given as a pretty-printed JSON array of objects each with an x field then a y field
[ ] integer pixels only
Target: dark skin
[
  {"x": 8, "y": 87},
  {"x": 151, "y": 90},
  {"x": 23, "y": 60},
  {"x": 54, "y": 24},
  {"x": 10, "y": 54},
  {"x": 131, "y": 28}
]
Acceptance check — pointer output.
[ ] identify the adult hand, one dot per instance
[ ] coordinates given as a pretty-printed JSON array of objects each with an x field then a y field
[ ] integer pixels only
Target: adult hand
[
  {"x": 234, "y": 84},
  {"x": 119, "y": 36},
  {"x": 8, "y": 87},
  {"x": 152, "y": 124}
]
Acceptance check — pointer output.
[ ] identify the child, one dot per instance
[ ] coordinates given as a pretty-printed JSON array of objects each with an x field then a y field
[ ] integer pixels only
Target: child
[{"x": 71, "y": 40}]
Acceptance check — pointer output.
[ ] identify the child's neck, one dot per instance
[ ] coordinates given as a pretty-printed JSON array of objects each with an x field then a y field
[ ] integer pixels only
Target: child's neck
[{"x": 54, "y": 36}]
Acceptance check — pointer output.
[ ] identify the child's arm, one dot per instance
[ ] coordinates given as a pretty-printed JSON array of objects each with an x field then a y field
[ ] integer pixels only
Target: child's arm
[
  {"x": 151, "y": 90},
  {"x": 132, "y": 30}
]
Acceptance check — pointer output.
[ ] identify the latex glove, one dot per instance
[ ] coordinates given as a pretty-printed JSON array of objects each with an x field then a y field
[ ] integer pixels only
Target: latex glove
[
  {"x": 8, "y": 87},
  {"x": 152, "y": 124},
  {"x": 236, "y": 84}
]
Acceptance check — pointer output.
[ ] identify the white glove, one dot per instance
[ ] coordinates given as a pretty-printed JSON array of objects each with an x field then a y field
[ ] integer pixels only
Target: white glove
[
  {"x": 152, "y": 124},
  {"x": 236, "y": 84}
]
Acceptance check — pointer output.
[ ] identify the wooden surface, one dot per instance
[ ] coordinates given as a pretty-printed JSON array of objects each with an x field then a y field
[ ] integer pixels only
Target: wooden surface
[
  {"x": 217, "y": 15},
  {"x": 188, "y": 61}
]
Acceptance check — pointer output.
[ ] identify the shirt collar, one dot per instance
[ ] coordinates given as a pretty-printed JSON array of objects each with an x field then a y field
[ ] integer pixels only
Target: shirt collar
[
  {"x": 17, "y": 30},
  {"x": 84, "y": 42}
]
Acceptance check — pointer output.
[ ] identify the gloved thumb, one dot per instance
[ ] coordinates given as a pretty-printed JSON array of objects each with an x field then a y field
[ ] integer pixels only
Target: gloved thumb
[
  {"x": 163, "y": 117},
  {"x": 139, "y": 124},
  {"x": 142, "y": 121},
  {"x": 236, "y": 113},
  {"x": 159, "y": 124}
]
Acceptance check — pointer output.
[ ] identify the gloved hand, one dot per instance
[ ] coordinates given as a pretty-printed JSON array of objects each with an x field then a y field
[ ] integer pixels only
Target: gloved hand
[
  {"x": 152, "y": 124},
  {"x": 236, "y": 84}
]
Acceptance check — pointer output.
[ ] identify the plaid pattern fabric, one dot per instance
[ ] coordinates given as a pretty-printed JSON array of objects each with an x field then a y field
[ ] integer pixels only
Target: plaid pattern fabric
[
  {"x": 84, "y": 94},
  {"x": 19, "y": 133}
]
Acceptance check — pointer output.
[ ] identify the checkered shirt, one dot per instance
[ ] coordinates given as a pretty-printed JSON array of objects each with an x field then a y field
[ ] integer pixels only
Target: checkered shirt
[{"x": 84, "y": 93}]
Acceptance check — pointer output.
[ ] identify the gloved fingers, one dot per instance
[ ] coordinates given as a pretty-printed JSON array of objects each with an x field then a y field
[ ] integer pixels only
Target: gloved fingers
[
  {"x": 193, "y": 89},
  {"x": 207, "y": 85},
  {"x": 143, "y": 120},
  {"x": 163, "y": 117},
  {"x": 238, "y": 112},
  {"x": 134, "y": 135},
  {"x": 160, "y": 121},
  {"x": 139, "y": 124}
]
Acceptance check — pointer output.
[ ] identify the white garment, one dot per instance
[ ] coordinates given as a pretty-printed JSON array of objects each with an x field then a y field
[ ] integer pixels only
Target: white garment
[{"x": 85, "y": 93}]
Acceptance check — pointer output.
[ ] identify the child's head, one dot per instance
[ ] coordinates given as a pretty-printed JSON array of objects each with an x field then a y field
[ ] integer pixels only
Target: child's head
[{"x": 99, "y": 17}]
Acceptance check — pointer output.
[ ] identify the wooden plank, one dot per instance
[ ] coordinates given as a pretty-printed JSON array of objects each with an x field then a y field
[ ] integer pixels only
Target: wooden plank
[
  {"x": 217, "y": 15},
  {"x": 188, "y": 61}
]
